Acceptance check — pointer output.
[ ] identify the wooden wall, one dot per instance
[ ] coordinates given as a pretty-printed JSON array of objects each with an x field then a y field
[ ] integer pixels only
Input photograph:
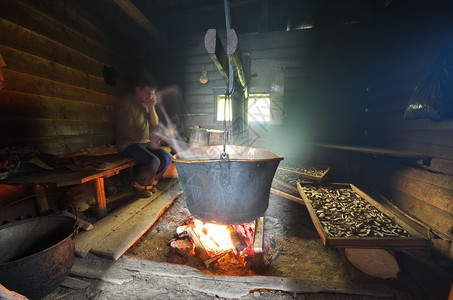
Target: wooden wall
[
  {"x": 55, "y": 97},
  {"x": 402, "y": 53},
  {"x": 345, "y": 84},
  {"x": 337, "y": 83},
  {"x": 313, "y": 76}
]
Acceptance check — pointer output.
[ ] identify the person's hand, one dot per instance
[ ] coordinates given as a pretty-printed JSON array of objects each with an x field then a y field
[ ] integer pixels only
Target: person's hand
[{"x": 152, "y": 101}]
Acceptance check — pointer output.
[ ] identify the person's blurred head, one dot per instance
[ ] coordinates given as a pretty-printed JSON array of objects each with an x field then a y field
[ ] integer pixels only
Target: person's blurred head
[
  {"x": 145, "y": 94},
  {"x": 145, "y": 86}
]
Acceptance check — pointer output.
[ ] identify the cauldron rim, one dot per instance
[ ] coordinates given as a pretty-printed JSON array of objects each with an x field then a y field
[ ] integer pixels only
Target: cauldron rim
[{"x": 231, "y": 150}]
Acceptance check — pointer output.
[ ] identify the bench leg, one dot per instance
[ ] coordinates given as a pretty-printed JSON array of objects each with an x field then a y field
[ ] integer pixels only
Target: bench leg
[
  {"x": 101, "y": 203},
  {"x": 41, "y": 199}
]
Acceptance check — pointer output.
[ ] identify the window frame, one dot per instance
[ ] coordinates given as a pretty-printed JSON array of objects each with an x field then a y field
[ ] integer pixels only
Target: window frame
[
  {"x": 259, "y": 96},
  {"x": 217, "y": 98}
]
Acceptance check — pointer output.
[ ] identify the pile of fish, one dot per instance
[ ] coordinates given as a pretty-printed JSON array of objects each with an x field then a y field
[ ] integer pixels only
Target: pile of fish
[
  {"x": 312, "y": 170},
  {"x": 344, "y": 213}
]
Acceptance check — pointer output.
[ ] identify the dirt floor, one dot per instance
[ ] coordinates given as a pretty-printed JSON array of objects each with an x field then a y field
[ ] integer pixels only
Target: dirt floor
[
  {"x": 292, "y": 245},
  {"x": 293, "y": 251}
]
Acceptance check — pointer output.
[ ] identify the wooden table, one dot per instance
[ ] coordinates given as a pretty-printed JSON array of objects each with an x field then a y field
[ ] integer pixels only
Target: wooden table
[{"x": 67, "y": 177}]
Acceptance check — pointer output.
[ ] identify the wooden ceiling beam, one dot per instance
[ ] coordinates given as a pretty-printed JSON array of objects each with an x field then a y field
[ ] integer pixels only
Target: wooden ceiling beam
[{"x": 131, "y": 10}]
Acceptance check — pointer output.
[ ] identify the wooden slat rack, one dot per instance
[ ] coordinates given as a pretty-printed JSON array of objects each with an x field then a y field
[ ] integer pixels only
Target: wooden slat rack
[
  {"x": 417, "y": 240},
  {"x": 302, "y": 174}
]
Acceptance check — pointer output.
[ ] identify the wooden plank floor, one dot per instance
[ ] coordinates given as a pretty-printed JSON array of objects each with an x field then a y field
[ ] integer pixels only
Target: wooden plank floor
[
  {"x": 132, "y": 278},
  {"x": 114, "y": 234}
]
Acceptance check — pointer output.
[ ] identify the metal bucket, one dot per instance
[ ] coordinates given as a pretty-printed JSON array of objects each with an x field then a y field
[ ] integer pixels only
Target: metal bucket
[
  {"x": 36, "y": 254},
  {"x": 231, "y": 189},
  {"x": 198, "y": 137}
]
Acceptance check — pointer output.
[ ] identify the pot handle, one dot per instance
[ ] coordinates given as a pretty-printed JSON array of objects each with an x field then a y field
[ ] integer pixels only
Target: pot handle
[
  {"x": 76, "y": 224},
  {"x": 224, "y": 156},
  {"x": 224, "y": 170}
]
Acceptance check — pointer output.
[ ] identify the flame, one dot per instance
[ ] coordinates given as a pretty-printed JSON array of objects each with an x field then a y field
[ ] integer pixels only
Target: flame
[
  {"x": 214, "y": 237},
  {"x": 217, "y": 239}
]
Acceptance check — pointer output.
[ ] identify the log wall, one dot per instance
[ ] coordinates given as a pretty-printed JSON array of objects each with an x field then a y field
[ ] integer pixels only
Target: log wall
[
  {"x": 56, "y": 98},
  {"x": 313, "y": 76},
  {"x": 345, "y": 85},
  {"x": 402, "y": 53}
]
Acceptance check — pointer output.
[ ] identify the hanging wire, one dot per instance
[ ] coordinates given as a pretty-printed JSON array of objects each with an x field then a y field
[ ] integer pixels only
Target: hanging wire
[
  {"x": 227, "y": 97},
  {"x": 227, "y": 101},
  {"x": 230, "y": 84}
]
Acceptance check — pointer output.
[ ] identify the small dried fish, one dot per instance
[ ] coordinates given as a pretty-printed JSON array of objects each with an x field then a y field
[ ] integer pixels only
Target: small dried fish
[{"x": 345, "y": 213}]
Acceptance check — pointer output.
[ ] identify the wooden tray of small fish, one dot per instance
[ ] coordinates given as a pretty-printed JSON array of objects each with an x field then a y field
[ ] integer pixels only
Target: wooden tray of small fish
[
  {"x": 316, "y": 173},
  {"x": 346, "y": 217},
  {"x": 284, "y": 184}
]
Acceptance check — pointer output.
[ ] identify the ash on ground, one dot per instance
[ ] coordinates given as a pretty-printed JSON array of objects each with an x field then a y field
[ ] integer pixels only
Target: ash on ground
[{"x": 292, "y": 246}]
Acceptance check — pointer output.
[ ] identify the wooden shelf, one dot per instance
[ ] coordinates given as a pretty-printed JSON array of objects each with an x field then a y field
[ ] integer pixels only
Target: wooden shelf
[{"x": 379, "y": 151}]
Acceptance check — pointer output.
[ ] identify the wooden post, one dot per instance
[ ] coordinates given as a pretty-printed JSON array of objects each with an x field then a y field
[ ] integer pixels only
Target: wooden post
[
  {"x": 259, "y": 235},
  {"x": 217, "y": 53},
  {"x": 101, "y": 203},
  {"x": 41, "y": 199}
]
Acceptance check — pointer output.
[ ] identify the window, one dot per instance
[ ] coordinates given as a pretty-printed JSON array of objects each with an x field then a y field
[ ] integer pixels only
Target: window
[
  {"x": 221, "y": 108},
  {"x": 259, "y": 108}
]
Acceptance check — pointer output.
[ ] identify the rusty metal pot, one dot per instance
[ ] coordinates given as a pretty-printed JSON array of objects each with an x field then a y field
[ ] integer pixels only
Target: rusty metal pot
[
  {"x": 36, "y": 254},
  {"x": 226, "y": 188}
]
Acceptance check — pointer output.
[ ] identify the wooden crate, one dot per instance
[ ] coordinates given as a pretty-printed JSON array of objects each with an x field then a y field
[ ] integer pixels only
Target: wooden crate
[
  {"x": 416, "y": 239},
  {"x": 310, "y": 177}
]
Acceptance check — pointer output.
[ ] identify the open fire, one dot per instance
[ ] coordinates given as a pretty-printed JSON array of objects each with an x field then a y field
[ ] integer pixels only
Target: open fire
[
  {"x": 214, "y": 238},
  {"x": 238, "y": 244}
]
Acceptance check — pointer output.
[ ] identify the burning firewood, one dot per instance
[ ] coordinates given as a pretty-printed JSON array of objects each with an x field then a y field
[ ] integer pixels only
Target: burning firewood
[
  {"x": 215, "y": 258},
  {"x": 229, "y": 246},
  {"x": 199, "y": 248},
  {"x": 182, "y": 247},
  {"x": 238, "y": 243}
]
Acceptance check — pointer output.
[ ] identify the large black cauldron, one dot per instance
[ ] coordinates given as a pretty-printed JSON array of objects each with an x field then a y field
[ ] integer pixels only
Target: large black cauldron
[
  {"x": 230, "y": 189},
  {"x": 36, "y": 254}
]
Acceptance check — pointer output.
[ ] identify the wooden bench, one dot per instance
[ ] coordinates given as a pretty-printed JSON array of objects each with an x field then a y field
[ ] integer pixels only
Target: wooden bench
[
  {"x": 66, "y": 177},
  {"x": 379, "y": 152}
]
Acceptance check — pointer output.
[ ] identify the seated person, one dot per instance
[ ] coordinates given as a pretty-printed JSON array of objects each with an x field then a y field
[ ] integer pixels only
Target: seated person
[{"x": 136, "y": 121}]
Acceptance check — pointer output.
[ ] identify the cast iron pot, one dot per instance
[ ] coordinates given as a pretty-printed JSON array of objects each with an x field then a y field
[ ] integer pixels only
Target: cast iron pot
[
  {"x": 36, "y": 254},
  {"x": 226, "y": 188}
]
